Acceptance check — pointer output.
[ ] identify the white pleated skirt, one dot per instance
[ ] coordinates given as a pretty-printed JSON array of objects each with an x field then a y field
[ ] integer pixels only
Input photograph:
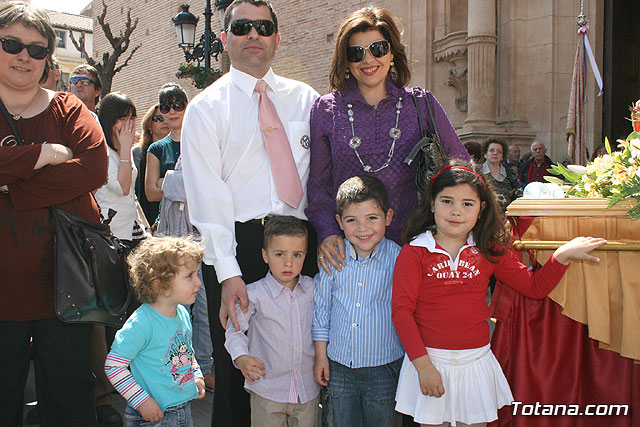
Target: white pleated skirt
[{"x": 474, "y": 388}]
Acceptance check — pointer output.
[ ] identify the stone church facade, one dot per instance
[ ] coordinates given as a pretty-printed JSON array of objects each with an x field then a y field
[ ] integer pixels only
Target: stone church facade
[{"x": 499, "y": 67}]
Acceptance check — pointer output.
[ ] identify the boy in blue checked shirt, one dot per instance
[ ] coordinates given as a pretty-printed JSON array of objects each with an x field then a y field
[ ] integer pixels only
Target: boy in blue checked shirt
[
  {"x": 276, "y": 355},
  {"x": 358, "y": 353}
]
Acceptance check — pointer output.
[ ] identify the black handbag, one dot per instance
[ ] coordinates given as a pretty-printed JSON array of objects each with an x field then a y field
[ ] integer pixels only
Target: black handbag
[
  {"x": 90, "y": 274},
  {"x": 432, "y": 155}
]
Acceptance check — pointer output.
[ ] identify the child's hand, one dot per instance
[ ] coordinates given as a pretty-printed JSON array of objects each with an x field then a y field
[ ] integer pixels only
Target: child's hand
[
  {"x": 250, "y": 367},
  {"x": 579, "y": 249},
  {"x": 321, "y": 370},
  {"x": 430, "y": 379},
  {"x": 200, "y": 386},
  {"x": 150, "y": 410}
]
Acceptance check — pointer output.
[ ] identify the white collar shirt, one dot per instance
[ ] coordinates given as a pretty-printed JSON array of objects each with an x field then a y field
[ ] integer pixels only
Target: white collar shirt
[{"x": 226, "y": 169}]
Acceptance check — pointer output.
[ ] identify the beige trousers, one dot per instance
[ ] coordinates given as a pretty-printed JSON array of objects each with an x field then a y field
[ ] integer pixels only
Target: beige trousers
[{"x": 267, "y": 413}]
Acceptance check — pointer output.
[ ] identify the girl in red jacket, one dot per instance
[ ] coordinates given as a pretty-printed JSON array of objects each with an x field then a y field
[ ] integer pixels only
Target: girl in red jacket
[{"x": 456, "y": 241}]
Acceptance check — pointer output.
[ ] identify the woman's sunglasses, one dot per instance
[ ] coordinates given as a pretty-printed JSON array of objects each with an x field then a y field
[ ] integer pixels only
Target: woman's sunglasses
[
  {"x": 14, "y": 47},
  {"x": 242, "y": 27},
  {"x": 157, "y": 118},
  {"x": 378, "y": 49},
  {"x": 177, "y": 107}
]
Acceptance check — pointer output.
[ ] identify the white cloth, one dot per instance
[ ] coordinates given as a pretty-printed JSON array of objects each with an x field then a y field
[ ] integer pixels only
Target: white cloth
[
  {"x": 111, "y": 196},
  {"x": 226, "y": 170},
  {"x": 474, "y": 388}
]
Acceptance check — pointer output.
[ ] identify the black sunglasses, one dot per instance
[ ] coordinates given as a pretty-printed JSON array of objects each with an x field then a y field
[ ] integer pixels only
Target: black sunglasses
[
  {"x": 242, "y": 27},
  {"x": 158, "y": 118},
  {"x": 378, "y": 49},
  {"x": 177, "y": 106},
  {"x": 14, "y": 47}
]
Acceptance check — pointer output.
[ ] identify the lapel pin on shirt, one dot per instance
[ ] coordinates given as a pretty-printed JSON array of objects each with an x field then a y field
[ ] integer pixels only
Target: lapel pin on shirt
[{"x": 304, "y": 141}]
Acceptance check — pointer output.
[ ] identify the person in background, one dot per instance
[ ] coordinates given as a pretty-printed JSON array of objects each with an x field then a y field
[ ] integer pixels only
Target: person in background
[
  {"x": 505, "y": 181},
  {"x": 54, "y": 75},
  {"x": 368, "y": 125},
  {"x": 162, "y": 155},
  {"x": 233, "y": 182},
  {"x": 116, "y": 198},
  {"x": 512, "y": 159},
  {"x": 600, "y": 150},
  {"x": 85, "y": 83},
  {"x": 154, "y": 128},
  {"x": 535, "y": 169},
  {"x": 63, "y": 158},
  {"x": 475, "y": 151}
]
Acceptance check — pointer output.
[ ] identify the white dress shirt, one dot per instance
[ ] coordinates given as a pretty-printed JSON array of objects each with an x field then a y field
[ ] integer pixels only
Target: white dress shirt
[{"x": 226, "y": 169}]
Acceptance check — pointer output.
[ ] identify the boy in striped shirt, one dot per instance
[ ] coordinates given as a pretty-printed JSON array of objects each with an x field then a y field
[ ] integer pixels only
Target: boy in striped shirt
[
  {"x": 276, "y": 355},
  {"x": 155, "y": 342},
  {"x": 358, "y": 353}
]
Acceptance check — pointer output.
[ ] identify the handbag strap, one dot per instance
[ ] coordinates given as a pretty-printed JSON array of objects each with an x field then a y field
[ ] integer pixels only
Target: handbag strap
[
  {"x": 426, "y": 137},
  {"x": 12, "y": 124},
  {"x": 433, "y": 122}
]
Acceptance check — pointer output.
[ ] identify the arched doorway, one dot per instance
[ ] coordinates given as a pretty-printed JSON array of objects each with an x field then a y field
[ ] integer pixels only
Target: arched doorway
[{"x": 621, "y": 65}]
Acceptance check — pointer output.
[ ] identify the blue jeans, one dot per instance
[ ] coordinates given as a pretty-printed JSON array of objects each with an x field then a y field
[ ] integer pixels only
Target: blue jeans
[
  {"x": 176, "y": 416},
  {"x": 363, "y": 396}
]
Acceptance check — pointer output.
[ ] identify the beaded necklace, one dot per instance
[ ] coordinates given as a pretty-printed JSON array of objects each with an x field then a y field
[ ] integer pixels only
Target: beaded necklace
[{"x": 394, "y": 133}]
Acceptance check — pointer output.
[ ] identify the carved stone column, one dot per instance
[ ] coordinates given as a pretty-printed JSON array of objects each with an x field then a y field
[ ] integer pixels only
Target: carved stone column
[{"x": 481, "y": 62}]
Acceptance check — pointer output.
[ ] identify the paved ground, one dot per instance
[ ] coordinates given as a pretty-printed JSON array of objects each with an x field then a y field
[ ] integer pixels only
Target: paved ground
[{"x": 200, "y": 409}]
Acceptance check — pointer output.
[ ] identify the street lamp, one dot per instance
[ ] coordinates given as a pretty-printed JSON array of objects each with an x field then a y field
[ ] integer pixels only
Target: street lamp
[{"x": 209, "y": 44}]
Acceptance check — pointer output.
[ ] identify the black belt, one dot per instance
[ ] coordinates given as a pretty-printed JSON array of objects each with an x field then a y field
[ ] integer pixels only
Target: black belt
[{"x": 262, "y": 221}]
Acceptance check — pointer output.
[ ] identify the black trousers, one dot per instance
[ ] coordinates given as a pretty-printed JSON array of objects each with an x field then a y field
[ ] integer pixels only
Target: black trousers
[
  {"x": 64, "y": 382},
  {"x": 231, "y": 401}
]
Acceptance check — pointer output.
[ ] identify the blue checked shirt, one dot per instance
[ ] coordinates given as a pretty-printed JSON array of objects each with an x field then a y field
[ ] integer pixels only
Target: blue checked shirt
[{"x": 353, "y": 309}]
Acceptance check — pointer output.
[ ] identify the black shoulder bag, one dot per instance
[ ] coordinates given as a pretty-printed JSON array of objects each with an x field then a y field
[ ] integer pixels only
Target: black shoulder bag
[
  {"x": 90, "y": 272},
  {"x": 433, "y": 157}
]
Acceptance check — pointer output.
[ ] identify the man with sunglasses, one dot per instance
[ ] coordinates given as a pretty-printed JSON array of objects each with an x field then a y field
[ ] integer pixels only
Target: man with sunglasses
[
  {"x": 85, "y": 83},
  {"x": 233, "y": 184}
]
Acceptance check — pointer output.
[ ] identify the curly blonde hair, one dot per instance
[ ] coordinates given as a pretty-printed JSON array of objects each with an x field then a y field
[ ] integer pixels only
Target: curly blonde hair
[{"x": 155, "y": 262}]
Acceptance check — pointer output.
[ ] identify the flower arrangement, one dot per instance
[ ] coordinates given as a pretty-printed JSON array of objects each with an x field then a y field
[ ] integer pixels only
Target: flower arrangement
[
  {"x": 201, "y": 78},
  {"x": 614, "y": 176}
]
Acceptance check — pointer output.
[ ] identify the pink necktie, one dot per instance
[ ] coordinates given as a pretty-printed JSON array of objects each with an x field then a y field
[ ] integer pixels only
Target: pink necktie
[{"x": 283, "y": 166}]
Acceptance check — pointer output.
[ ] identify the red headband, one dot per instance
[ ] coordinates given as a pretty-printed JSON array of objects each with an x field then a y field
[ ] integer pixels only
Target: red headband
[{"x": 447, "y": 167}]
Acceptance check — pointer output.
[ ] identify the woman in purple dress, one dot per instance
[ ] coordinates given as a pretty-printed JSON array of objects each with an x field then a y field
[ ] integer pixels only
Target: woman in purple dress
[{"x": 368, "y": 125}]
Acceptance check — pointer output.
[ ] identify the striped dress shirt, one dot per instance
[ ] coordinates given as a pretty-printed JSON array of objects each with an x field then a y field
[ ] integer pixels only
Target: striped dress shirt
[
  {"x": 353, "y": 309},
  {"x": 278, "y": 326}
]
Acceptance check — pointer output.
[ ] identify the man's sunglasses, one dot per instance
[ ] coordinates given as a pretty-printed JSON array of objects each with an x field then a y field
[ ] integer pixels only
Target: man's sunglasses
[
  {"x": 14, "y": 47},
  {"x": 86, "y": 81},
  {"x": 177, "y": 107},
  {"x": 378, "y": 49},
  {"x": 242, "y": 27},
  {"x": 158, "y": 118}
]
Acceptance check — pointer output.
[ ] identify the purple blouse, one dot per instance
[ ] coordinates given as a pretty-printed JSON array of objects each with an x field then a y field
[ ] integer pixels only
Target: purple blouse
[{"x": 333, "y": 161}]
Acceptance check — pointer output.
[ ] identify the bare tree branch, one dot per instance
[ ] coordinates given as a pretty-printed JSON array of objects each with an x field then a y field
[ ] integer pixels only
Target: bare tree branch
[
  {"x": 108, "y": 67},
  {"x": 126, "y": 61}
]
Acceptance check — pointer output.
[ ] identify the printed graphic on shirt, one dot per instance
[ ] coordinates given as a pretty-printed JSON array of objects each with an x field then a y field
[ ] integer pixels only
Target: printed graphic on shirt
[
  {"x": 179, "y": 359},
  {"x": 443, "y": 268}
]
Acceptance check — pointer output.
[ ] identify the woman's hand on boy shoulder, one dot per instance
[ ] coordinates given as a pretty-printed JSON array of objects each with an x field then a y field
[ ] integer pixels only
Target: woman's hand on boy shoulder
[
  {"x": 251, "y": 367},
  {"x": 331, "y": 251},
  {"x": 150, "y": 410},
  {"x": 579, "y": 249}
]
